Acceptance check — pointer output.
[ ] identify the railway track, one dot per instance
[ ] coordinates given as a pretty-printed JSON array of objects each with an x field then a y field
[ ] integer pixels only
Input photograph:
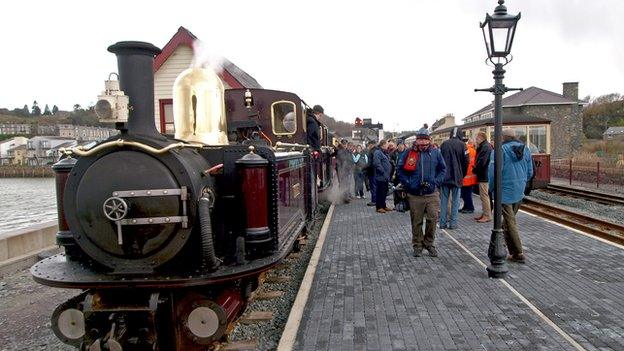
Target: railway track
[
  {"x": 600, "y": 197},
  {"x": 606, "y": 230}
]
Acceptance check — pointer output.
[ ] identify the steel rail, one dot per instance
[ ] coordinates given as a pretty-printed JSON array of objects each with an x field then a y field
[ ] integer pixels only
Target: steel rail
[
  {"x": 608, "y": 199},
  {"x": 604, "y": 229}
]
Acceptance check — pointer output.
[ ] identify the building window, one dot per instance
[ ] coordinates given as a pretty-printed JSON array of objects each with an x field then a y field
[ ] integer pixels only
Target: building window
[
  {"x": 283, "y": 118},
  {"x": 537, "y": 138},
  {"x": 166, "y": 116}
]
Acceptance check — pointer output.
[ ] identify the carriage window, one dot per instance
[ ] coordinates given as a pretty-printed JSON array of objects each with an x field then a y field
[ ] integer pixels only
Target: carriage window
[
  {"x": 304, "y": 122},
  {"x": 283, "y": 118},
  {"x": 537, "y": 137}
]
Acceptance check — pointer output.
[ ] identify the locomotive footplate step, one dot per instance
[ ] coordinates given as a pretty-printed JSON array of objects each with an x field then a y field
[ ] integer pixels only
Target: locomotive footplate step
[
  {"x": 369, "y": 292},
  {"x": 58, "y": 271}
]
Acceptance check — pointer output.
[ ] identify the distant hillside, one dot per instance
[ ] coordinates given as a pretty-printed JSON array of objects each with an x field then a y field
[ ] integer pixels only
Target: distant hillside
[
  {"x": 339, "y": 127},
  {"x": 77, "y": 117}
]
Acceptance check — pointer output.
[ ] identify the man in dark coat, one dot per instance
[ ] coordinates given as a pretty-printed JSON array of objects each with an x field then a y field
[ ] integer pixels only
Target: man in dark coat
[
  {"x": 312, "y": 128},
  {"x": 484, "y": 150},
  {"x": 456, "y": 159},
  {"x": 370, "y": 172}
]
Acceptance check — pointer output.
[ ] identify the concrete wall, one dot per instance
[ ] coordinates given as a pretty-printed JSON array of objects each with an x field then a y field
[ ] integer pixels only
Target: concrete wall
[{"x": 19, "y": 248}]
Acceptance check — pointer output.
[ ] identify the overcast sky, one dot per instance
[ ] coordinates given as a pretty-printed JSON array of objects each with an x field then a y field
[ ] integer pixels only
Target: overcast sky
[{"x": 401, "y": 63}]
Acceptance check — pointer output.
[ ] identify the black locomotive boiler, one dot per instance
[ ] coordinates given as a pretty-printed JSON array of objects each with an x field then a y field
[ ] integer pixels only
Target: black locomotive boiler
[{"x": 167, "y": 235}]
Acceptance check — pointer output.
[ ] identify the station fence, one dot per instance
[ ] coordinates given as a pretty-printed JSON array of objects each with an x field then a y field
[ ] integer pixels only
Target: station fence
[{"x": 608, "y": 176}]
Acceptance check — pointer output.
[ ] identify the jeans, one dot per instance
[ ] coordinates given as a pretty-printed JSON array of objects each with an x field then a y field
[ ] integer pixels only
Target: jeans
[
  {"x": 445, "y": 192},
  {"x": 373, "y": 188},
  {"x": 382, "y": 193},
  {"x": 466, "y": 195},
  {"x": 358, "y": 176}
]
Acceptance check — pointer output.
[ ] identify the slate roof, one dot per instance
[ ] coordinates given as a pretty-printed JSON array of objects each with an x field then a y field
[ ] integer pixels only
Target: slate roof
[
  {"x": 531, "y": 96},
  {"x": 509, "y": 119}
]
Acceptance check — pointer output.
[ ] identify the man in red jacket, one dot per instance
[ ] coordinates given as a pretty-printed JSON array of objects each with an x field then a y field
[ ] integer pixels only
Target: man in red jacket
[{"x": 470, "y": 180}]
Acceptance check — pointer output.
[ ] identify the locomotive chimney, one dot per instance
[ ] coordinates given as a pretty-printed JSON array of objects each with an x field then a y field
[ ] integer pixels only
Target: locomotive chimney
[{"x": 135, "y": 63}]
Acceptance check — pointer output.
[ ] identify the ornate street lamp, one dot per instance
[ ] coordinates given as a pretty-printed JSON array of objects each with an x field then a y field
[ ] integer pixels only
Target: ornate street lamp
[{"x": 498, "y": 33}]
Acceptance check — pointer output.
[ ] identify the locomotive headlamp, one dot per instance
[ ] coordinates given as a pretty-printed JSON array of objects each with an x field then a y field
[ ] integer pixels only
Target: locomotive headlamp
[
  {"x": 112, "y": 105},
  {"x": 248, "y": 99}
]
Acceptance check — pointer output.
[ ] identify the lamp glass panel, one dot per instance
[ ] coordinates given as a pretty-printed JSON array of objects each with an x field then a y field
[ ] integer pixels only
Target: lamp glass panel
[{"x": 499, "y": 40}]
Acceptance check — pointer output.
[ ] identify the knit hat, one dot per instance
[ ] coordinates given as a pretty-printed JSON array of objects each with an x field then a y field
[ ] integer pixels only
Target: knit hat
[
  {"x": 318, "y": 108},
  {"x": 422, "y": 133}
]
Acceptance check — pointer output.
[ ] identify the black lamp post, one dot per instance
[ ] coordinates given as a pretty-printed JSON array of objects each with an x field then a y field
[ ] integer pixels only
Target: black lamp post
[{"x": 498, "y": 33}]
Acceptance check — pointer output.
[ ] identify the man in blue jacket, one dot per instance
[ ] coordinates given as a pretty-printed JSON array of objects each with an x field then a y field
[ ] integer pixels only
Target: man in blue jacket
[
  {"x": 382, "y": 169},
  {"x": 517, "y": 169},
  {"x": 421, "y": 170}
]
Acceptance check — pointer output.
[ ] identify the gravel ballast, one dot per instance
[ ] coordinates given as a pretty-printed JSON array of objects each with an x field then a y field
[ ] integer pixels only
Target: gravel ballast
[
  {"x": 607, "y": 212},
  {"x": 269, "y": 333}
]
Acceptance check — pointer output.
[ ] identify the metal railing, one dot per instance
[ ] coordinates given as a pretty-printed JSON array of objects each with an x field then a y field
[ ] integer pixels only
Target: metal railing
[{"x": 607, "y": 176}]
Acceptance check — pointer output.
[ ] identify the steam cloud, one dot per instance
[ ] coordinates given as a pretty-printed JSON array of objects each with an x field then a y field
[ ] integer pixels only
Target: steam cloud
[{"x": 203, "y": 56}]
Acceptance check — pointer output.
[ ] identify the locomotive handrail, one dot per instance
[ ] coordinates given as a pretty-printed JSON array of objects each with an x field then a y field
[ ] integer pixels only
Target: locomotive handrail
[
  {"x": 80, "y": 150},
  {"x": 281, "y": 145}
]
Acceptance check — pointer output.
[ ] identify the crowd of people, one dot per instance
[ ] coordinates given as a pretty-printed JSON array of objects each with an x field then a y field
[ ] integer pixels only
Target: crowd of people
[{"x": 429, "y": 180}]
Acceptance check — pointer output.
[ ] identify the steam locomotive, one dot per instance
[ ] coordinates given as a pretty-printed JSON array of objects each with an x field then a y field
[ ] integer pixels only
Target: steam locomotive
[{"x": 167, "y": 236}]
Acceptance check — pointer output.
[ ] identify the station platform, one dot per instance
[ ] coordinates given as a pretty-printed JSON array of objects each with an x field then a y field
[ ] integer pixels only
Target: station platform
[{"x": 370, "y": 293}]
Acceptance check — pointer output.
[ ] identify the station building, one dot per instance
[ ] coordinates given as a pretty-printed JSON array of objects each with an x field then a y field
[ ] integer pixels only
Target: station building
[{"x": 551, "y": 122}]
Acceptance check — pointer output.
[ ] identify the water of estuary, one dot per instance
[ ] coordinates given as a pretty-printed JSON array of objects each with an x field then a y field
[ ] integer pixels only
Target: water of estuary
[{"x": 25, "y": 202}]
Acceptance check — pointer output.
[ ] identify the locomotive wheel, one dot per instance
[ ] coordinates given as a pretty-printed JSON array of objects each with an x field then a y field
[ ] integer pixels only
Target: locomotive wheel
[{"x": 200, "y": 320}]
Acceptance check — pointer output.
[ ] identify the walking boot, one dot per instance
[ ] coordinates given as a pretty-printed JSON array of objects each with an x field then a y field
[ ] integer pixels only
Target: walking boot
[
  {"x": 432, "y": 251},
  {"x": 519, "y": 258},
  {"x": 417, "y": 252}
]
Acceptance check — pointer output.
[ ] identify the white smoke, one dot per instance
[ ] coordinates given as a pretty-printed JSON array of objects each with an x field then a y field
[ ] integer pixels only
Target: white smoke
[
  {"x": 333, "y": 194},
  {"x": 205, "y": 57}
]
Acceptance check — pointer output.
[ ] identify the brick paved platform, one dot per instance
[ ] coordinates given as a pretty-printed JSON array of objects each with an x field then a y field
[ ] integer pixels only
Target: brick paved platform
[{"x": 369, "y": 293}]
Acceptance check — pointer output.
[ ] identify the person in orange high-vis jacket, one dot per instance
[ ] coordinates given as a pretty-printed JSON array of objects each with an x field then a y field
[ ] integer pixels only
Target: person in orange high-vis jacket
[{"x": 470, "y": 180}]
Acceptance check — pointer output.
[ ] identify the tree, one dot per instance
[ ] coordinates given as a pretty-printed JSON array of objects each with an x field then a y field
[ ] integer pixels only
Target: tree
[
  {"x": 36, "y": 111},
  {"x": 26, "y": 110},
  {"x": 54, "y": 109},
  {"x": 46, "y": 111},
  {"x": 601, "y": 113},
  {"x": 77, "y": 107}
]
